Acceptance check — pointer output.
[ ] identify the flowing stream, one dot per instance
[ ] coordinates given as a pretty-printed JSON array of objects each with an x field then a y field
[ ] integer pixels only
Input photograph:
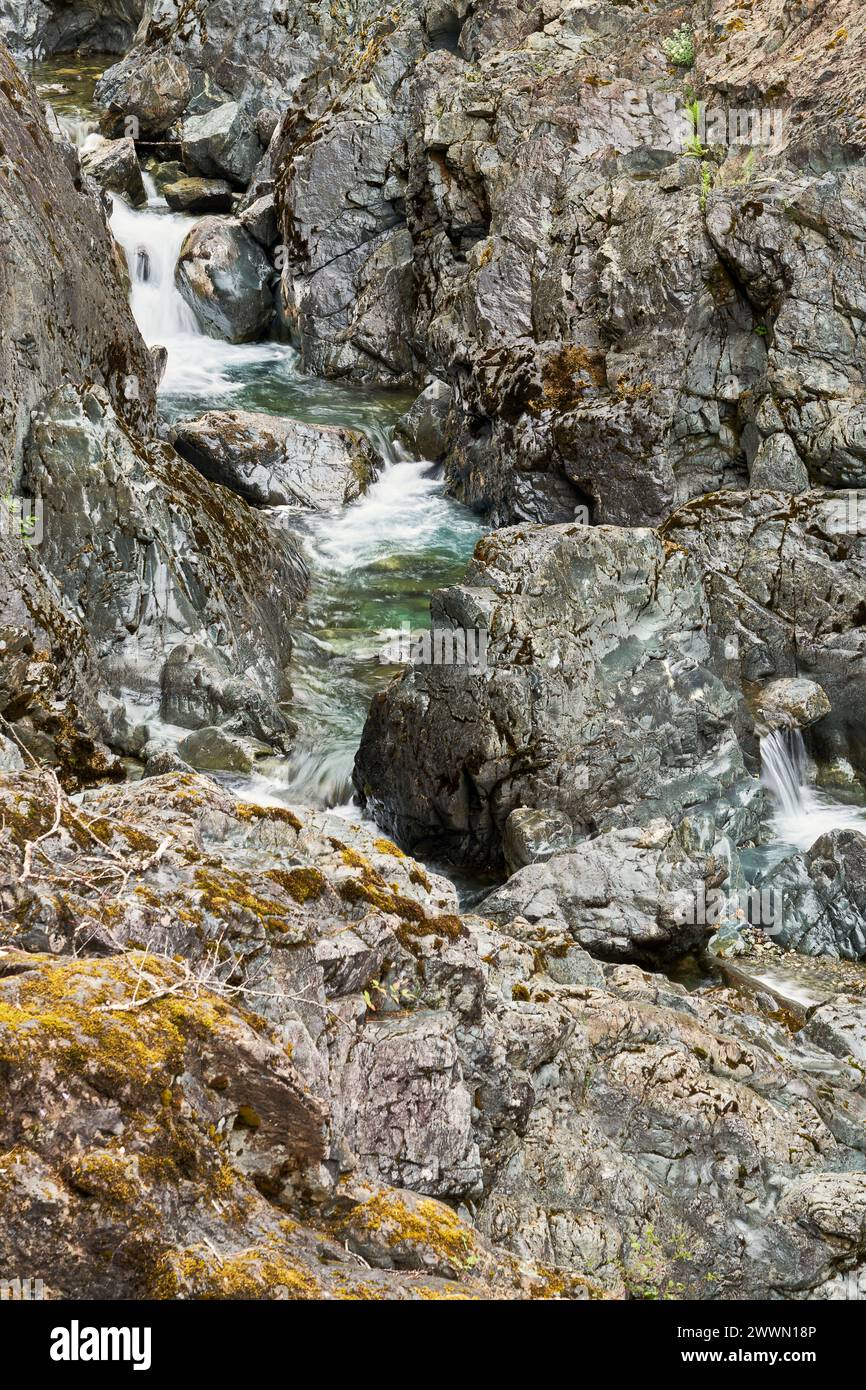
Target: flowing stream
[
  {"x": 374, "y": 565},
  {"x": 802, "y": 814}
]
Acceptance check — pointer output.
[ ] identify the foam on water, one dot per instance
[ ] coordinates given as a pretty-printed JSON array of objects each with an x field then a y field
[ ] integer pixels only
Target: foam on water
[
  {"x": 197, "y": 365},
  {"x": 374, "y": 563},
  {"x": 802, "y": 814}
]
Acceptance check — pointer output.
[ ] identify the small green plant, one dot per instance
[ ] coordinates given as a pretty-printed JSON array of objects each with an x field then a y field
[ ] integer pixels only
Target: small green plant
[
  {"x": 694, "y": 146},
  {"x": 679, "y": 49},
  {"x": 649, "y": 1273}
]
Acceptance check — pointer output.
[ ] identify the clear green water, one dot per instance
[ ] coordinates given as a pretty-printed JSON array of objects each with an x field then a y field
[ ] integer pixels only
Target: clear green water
[{"x": 374, "y": 566}]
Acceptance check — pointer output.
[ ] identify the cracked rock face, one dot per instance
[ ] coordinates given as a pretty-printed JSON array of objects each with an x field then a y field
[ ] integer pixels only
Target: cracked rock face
[
  {"x": 623, "y": 895},
  {"x": 626, "y": 310},
  {"x": 185, "y": 592},
  {"x": 35, "y": 28},
  {"x": 596, "y": 700},
  {"x": 823, "y": 896},
  {"x": 52, "y": 226},
  {"x": 784, "y": 579},
  {"x": 316, "y": 1036}
]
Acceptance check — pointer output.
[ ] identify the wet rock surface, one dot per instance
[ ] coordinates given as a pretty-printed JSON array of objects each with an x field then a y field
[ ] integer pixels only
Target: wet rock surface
[
  {"x": 114, "y": 166},
  {"x": 54, "y": 231},
  {"x": 824, "y": 895},
  {"x": 792, "y": 703},
  {"x": 597, "y": 699},
  {"x": 793, "y": 609},
  {"x": 274, "y": 462},
  {"x": 34, "y": 28},
  {"x": 224, "y": 276},
  {"x": 152, "y": 607},
  {"x": 272, "y": 1056},
  {"x": 198, "y": 195}
]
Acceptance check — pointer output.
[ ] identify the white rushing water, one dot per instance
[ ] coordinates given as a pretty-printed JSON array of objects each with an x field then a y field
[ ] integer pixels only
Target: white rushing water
[
  {"x": 197, "y": 365},
  {"x": 374, "y": 563},
  {"x": 802, "y": 814}
]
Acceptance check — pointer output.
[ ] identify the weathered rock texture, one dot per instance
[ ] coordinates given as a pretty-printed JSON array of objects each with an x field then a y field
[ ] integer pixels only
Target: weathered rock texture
[
  {"x": 597, "y": 699},
  {"x": 784, "y": 578},
  {"x": 148, "y": 590},
  {"x": 185, "y": 594},
  {"x": 289, "y": 1030},
  {"x": 224, "y": 276},
  {"x": 629, "y": 304},
  {"x": 275, "y": 462},
  {"x": 36, "y": 28},
  {"x": 65, "y": 314}
]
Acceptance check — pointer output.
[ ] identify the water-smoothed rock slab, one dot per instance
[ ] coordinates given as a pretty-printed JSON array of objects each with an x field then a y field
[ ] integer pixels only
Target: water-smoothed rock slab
[{"x": 275, "y": 462}]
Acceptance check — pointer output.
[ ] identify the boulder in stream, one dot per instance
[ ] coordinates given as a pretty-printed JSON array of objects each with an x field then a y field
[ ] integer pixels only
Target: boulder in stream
[
  {"x": 199, "y": 196},
  {"x": 628, "y": 895},
  {"x": 275, "y": 462},
  {"x": 597, "y": 699},
  {"x": 224, "y": 276},
  {"x": 222, "y": 143},
  {"x": 113, "y": 164},
  {"x": 151, "y": 91},
  {"x": 792, "y": 703},
  {"x": 823, "y": 896}
]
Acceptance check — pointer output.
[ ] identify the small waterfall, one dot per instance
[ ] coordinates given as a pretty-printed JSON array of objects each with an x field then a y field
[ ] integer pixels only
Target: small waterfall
[
  {"x": 76, "y": 127},
  {"x": 783, "y": 770},
  {"x": 802, "y": 814},
  {"x": 152, "y": 240}
]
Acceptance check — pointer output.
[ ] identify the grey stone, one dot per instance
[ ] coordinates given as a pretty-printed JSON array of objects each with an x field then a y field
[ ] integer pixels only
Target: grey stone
[
  {"x": 222, "y": 144},
  {"x": 423, "y": 427},
  {"x": 259, "y": 219},
  {"x": 532, "y": 836},
  {"x": 211, "y": 749},
  {"x": 792, "y": 703},
  {"x": 198, "y": 195},
  {"x": 275, "y": 462},
  {"x": 114, "y": 166},
  {"x": 225, "y": 278},
  {"x": 823, "y": 894},
  {"x": 122, "y": 524},
  {"x": 598, "y": 699}
]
